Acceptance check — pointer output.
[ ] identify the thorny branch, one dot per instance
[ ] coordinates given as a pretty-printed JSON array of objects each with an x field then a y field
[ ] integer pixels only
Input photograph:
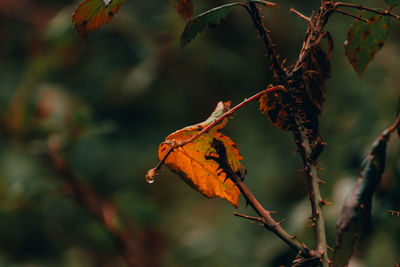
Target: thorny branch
[
  {"x": 305, "y": 144},
  {"x": 308, "y": 142},
  {"x": 266, "y": 219},
  {"x": 254, "y": 12}
]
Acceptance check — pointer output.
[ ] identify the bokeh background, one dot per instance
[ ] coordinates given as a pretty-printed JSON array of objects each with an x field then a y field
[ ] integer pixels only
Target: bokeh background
[{"x": 108, "y": 103}]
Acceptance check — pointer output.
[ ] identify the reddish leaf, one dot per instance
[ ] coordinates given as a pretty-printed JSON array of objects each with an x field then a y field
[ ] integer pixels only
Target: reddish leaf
[
  {"x": 184, "y": 8},
  {"x": 92, "y": 14},
  {"x": 189, "y": 161}
]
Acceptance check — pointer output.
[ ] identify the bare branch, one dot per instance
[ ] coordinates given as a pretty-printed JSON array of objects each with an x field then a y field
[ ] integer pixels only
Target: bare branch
[
  {"x": 267, "y": 221},
  {"x": 300, "y": 15},
  {"x": 361, "y": 7},
  {"x": 254, "y": 12},
  {"x": 350, "y": 15}
]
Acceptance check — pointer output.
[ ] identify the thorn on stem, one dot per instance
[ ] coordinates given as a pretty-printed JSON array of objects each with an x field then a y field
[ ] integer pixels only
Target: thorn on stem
[{"x": 281, "y": 221}]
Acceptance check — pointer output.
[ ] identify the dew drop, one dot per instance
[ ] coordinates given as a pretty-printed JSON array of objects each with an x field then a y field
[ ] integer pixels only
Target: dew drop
[{"x": 150, "y": 176}]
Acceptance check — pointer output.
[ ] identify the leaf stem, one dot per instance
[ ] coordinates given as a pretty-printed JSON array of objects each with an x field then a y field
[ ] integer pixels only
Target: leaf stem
[
  {"x": 350, "y": 15},
  {"x": 152, "y": 172},
  {"x": 393, "y": 127}
]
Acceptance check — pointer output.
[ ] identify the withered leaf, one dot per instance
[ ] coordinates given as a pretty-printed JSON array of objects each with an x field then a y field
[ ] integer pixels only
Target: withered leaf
[
  {"x": 92, "y": 14},
  {"x": 184, "y": 8},
  {"x": 365, "y": 39},
  {"x": 275, "y": 108},
  {"x": 189, "y": 161},
  {"x": 355, "y": 219},
  {"x": 310, "y": 97}
]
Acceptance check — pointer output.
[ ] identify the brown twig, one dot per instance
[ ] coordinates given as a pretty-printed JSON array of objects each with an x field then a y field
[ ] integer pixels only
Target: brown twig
[
  {"x": 152, "y": 172},
  {"x": 392, "y": 128},
  {"x": 313, "y": 181},
  {"x": 266, "y": 219},
  {"x": 350, "y": 15},
  {"x": 300, "y": 15},
  {"x": 254, "y": 12},
  {"x": 361, "y": 7},
  {"x": 290, "y": 80}
]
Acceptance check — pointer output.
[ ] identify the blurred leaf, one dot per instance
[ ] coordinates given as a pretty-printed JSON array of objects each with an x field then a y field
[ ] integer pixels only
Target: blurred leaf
[
  {"x": 355, "y": 219},
  {"x": 92, "y": 14},
  {"x": 189, "y": 161},
  {"x": 392, "y": 2},
  {"x": 365, "y": 39},
  {"x": 212, "y": 18},
  {"x": 184, "y": 8}
]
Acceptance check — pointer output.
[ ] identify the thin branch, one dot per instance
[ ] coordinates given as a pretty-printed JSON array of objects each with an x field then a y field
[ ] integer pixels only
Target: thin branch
[
  {"x": 300, "y": 15},
  {"x": 254, "y": 12},
  {"x": 350, "y": 15},
  {"x": 267, "y": 221},
  {"x": 361, "y": 7},
  {"x": 250, "y": 218},
  {"x": 313, "y": 181},
  {"x": 393, "y": 127},
  {"x": 152, "y": 172}
]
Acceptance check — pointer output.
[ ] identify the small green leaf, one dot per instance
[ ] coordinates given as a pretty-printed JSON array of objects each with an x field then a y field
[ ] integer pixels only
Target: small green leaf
[
  {"x": 365, "y": 39},
  {"x": 392, "y": 2},
  {"x": 212, "y": 18},
  {"x": 354, "y": 223}
]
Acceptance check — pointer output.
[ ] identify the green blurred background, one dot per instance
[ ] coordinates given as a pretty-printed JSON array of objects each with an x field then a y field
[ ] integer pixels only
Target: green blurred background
[{"x": 111, "y": 102}]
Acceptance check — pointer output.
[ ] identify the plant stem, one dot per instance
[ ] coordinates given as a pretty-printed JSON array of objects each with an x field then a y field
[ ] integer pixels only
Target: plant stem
[
  {"x": 361, "y": 7},
  {"x": 267, "y": 221},
  {"x": 254, "y": 12},
  {"x": 350, "y": 15},
  {"x": 312, "y": 180},
  {"x": 290, "y": 80}
]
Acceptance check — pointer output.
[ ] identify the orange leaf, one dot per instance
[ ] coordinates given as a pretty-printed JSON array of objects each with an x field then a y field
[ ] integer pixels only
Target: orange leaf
[
  {"x": 92, "y": 14},
  {"x": 189, "y": 161}
]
